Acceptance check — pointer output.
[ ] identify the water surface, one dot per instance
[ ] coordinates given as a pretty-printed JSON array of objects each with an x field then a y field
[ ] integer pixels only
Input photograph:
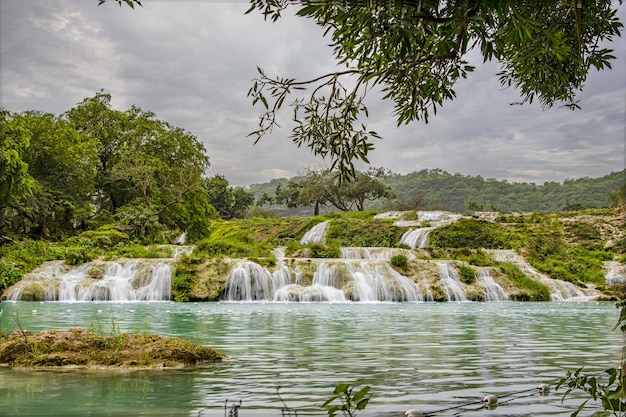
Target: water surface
[{"x": 428, "y": 356}]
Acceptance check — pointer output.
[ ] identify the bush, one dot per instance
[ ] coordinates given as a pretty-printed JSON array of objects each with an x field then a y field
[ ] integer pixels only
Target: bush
[
  {"x": 317, "y": 250},
  {"x": 399, "y": 260},
  {"x": 181, "y": 286},
  {"x": 534, "y": 291},
  {"x": 10, "y": 274},
  {"x": 470, "y": 233},
  {"x": 103, "y": 238},
  {"x": 467, "y": 273}
]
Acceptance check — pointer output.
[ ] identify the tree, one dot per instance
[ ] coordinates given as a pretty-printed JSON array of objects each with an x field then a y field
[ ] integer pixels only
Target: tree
[
  {"x": 416, "y": 52},
  {"x": 321, "y": 186},
  {"x": 62, "y": 161},
  {"x": 149, "y": 172},
  {"x": 15, "y": 181},
  {"x": 230, "y": 202}
]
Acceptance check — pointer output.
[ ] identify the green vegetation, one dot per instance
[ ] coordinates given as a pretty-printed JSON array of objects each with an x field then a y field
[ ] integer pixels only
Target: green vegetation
[
  {"x": 470, "y": 233},
  {"x": 90, "y": 348},
  {"x": 530, "y": 290},
  {"x": 346, "y": 400},
  {"x": 399, "y": 260},
  {"x": 468, "y": 274},
  {"x": 94, "y": 166}
]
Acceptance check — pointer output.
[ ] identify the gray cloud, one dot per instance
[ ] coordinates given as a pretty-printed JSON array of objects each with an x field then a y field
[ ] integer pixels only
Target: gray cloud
[{"x": 192, "y": 63}]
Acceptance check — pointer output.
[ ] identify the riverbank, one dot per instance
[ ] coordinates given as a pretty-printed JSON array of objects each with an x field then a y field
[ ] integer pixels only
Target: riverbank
[{"x": 80, "y": 348}]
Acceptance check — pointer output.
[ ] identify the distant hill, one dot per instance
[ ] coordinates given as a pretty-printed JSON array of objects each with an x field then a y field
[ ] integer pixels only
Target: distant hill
[{"x": 438, "y": 189}]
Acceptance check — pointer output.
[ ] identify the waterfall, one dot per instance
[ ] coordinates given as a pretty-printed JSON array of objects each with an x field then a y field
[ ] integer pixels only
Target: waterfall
[
  {"x": 374, "y": 253},
  {"x": 45, "y": 278},
  {"x": 317, "y": 234},
  {"x": 417, "y": 238},
  {"x": 615, "y": 273},
  {"x": 355, "y": 253},
  {"x": 493, "y": 291},
  {"x": 130, "y": 280},
  {"x": 409, "y": 290},
  {"x": 559, "y": 290},
  {"x": 451, "y": 282},
  {"x": 331, "y": 283},
  {"x": 429, "y": 294},
  {"x": 250, "y": 281}
]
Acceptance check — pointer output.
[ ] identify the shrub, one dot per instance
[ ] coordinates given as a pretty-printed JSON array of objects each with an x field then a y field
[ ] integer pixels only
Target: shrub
[
  {"x": 467, "y": 273},
  {"x": 399, "y": 260},
  {"x": 470, "y": 233},
  {"x": 181, "y": 286},
  {"x": 324, "y": 251},
  {"x": 534, "y": 291},
  {"x": 10, "y": 274},
  {"x": 103, "y": 238}
]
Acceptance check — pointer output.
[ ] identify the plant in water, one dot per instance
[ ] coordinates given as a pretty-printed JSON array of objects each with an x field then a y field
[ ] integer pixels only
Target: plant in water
[
  {"x": 609, "y": 388},
  {"x": 346, "y": 400}
]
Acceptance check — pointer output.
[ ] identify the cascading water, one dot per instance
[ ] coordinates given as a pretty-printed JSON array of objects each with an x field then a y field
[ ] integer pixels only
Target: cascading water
[
  {"x": 374, "y": 253},
  {"x": 417, "y": 238},
  {"x": 317, "y": 234},
  {"x": 451, "y": 282},
  {"x": 130, "y": 280},
  {"x": 559, "y": 290},
  {"x": 493, "y": 291},
  {"x": 249, "y": 281},
  {"x": 331, "y": 282},
  {"x": 615, "y": 273}
]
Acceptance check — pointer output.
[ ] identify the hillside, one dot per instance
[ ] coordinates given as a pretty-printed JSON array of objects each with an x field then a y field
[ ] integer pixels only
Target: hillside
[{"x": 437, "y": 189}]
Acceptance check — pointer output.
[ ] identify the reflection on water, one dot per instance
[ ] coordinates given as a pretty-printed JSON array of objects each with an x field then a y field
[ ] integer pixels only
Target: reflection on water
[{"x": 425, "y": 355}]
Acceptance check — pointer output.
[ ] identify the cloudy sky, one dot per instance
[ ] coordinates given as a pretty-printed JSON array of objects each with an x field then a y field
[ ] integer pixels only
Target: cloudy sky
[{"x": 192, "y": 62}]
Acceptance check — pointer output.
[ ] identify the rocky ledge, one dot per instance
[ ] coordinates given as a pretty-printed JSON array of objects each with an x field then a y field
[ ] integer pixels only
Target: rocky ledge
[{"x": 80, "y": 348}]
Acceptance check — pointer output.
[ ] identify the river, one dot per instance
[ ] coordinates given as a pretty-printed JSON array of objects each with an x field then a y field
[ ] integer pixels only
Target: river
[{"x": 428, "y": 356}]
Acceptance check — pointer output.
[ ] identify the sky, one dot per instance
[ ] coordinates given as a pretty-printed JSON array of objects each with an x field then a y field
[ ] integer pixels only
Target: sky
[{"x": 192, "y": 63}]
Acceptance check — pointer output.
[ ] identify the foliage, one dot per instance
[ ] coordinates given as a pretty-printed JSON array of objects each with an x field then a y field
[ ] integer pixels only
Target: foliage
[
  {"x": 230, "y": 202},
  {"x": 470, "y": 233},
  {"x": 345, "y": 400},
  {"x": 436, "y": 189},
  {"x": 400, "y": 260},
  {"x": 609, "y": 388},
  {"x": 467, "y": 273},
  {"x": 10, "y": 274},
  {"x": 181, "y": 285},
  {"x": 93, "y": 165},
  {"x": 545, "y": 51},
  {"x": 318, "y": 250},
  {"x": 534, "y": 291},
  {"x": 103, "y": 238},
  {"x": 15, "y": 181},
  {"x": 349, "y": 231},
  {"x": 321, "y": 186}
]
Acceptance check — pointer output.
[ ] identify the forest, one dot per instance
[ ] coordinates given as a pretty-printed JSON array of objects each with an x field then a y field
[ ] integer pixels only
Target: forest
[{"x": 435, "y": 189}]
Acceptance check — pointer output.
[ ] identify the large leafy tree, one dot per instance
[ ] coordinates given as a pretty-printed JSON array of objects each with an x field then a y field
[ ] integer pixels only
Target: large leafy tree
[
  {"x": 62, "y": 161},
  {"x": 150, "y": 174},
  {"x": 16, "y": 182}
]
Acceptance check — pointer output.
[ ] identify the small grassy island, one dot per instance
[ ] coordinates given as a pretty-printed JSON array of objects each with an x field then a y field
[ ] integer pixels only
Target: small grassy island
[{"x": 80, "y": 348}]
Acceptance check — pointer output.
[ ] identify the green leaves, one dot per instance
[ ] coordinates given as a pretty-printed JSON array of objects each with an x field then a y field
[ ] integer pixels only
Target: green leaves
[
  {"x": 345, "y": 400},
  {"x": 415, "y": 52}
]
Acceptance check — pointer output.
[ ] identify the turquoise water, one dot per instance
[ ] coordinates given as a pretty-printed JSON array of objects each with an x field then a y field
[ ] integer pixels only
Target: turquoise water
[{"x": 428, "y": 356}]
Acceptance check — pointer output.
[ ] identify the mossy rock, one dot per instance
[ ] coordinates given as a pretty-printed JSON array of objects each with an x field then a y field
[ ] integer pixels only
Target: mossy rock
[{"x": 33, "y": 292}]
